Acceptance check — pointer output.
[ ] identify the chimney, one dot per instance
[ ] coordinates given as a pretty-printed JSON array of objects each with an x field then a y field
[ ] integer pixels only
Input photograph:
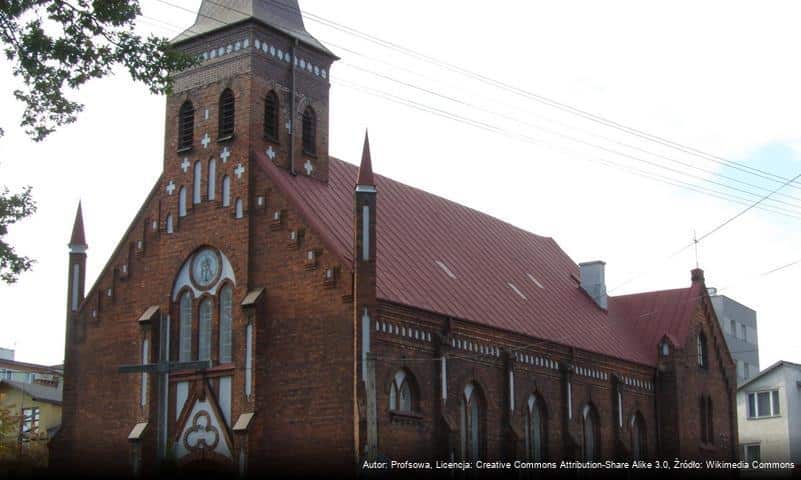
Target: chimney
[{"x": 593, "y": 281}]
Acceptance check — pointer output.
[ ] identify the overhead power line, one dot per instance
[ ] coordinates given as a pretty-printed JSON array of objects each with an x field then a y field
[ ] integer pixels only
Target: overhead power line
[{"x": 562, "y": 135}]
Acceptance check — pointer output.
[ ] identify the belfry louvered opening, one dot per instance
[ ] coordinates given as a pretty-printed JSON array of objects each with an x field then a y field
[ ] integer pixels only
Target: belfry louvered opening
[
  {"x": 226, "y": 129},
  {"x": 186, "y": 125}
]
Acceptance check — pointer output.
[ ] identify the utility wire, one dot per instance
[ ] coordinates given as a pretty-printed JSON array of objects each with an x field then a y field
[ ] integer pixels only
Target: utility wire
[{"x": 570, "y": 138}]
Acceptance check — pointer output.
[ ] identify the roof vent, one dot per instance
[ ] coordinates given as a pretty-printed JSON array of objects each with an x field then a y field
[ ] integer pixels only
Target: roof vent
[{"x": 593, "y": 281}]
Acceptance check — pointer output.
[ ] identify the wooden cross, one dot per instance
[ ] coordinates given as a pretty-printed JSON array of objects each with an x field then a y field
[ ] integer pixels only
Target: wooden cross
[{"x": 163, "y": 368}]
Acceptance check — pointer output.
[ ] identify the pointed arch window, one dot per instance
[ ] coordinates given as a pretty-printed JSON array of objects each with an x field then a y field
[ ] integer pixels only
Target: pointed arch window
[
  {"x": 226, "y": 115},
  {"x": 590, "y": 431},
  {"x": 204, "y": 330},
  {"x": 271, "y": 116},
  {"x": 471, "y": 429},
  {"x": 701, "y": 349},
  {"x": 186, "y": 125},
  {"x": 226, "y": 304},
  {"x": 197, "y": 173},
  {"x": 226, "y": 191},
  {"x": 182, "y": 202},
  {"x": 706, "y": 420},
  {"x": 169, "y": 226},
  {"x": 638, "y": 437},
  {"x": 403, "y": 393},
  {"x": 535, "y": 429},
  {"x": 309, "y": 131},
  {"x": 185, "y": 328},
  {"x": 239, "y": 208}
]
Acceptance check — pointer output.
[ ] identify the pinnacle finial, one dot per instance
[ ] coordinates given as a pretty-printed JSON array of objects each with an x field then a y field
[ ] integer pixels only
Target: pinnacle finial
[
  {"x": 366, "y": 168},
  {"x": 78, "y": 238}
]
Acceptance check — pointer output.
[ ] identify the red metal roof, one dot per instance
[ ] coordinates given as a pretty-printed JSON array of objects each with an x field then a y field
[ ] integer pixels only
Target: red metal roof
[{"x": 497, "y": 266}]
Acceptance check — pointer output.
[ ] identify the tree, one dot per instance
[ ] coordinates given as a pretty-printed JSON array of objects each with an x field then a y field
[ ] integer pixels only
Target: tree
[{"x": 55, "y": 47}]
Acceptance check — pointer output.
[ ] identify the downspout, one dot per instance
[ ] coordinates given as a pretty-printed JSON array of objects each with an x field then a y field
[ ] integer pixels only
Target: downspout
[{"x": 292, "y": 112}]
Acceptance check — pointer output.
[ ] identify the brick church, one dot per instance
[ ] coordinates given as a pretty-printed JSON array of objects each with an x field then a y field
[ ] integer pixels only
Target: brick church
[{"x": 272, "y": 308}]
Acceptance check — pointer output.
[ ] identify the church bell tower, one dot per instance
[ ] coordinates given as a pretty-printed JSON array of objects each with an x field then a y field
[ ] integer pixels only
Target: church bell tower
[{"x": 260, "y": 88}]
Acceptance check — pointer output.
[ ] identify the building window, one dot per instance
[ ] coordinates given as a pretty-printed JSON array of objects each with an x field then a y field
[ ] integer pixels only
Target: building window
[
  {"x": 204, "y": 330},
  {"x": 226, "y": 128},
  {"x": 701, "y": 350},
  {"x": 30, "y": 420},
  {"x": 169, "y": 226},
  {"x": 535, "y": 430},
  {"x": 226, "y": 303},
  {"x": 185, "y": 328},
  {"x": 239, "y": 208},
  {"x": 763, "y": 404},
  {"x": 638, "y": 437},
  {"x": 752, "y": 453},
  {"x": 733, "y": 328},
  {"x": 402, "y": 393},
  {"x": 186, "y": 125},
  {"x": 471, "y": 430},
  {"x": 590, "y": 431},
  {"x": 271, "y": 117},
  {"x": 309, "y": 131}
]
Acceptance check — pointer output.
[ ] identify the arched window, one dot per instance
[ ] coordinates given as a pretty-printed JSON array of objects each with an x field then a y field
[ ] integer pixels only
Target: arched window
[
  {"x": 701, "y": 349},
  {"x": 226, "y": 191},
  {"x": 226, "y": 127},
  {"x": 535, "y": 429},
  {"x": 590, "y": 430},
  {"x": 182, "y": 202},
  {"x": 212, "y": 179},
  {"x": 186, "y": 125},
  {"x": 204, "y": 330},
  {"x": 309, "y": 131},
  {"x": 185, "y": 326},
  {"x": 169, "y": 225},
  {"x": 472, "y": 423},
  {"x": 402, "y": 393},
  {"x": 226, "y": 303},
  {"x": 271, "y": 117},
  {"x": 197, "y": 174},
  {"x": 240, "y": 210},
  {"x": 638, "y": 446}
]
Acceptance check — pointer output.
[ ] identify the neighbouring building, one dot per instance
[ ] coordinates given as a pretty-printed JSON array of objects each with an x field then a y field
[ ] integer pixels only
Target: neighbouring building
[
  {"x": 769, "y": 414},
  {"x": 739, "y": 324},
  {"x": 274, "y": 309},
  {"x": 30, "y": 399}
]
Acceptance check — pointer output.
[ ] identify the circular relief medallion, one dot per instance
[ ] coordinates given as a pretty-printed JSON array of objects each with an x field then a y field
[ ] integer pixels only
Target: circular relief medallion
[{"x": 206, "y": 267}]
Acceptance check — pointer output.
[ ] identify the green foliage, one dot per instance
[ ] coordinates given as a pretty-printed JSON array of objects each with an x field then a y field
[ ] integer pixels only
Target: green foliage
[
  {"x": 12, "y": 209},
  {"x": 9, "y": 428},
  {"x": 55, "y": 45}
]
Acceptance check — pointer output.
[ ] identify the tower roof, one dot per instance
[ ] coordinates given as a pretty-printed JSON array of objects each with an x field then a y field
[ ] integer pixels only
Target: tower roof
[
  {"x": 282, "y": 15},
  {"x": 365, "y": 177},
  {"x": 78, "y": 237}
]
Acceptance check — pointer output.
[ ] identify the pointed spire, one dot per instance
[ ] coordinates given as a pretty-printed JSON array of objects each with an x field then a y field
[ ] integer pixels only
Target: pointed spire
[
  {"x": 365, "y": 178},
  {"x": 78, "y": 238}
]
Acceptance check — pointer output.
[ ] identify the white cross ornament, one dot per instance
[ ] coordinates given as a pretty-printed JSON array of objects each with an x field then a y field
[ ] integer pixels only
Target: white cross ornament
[
  {"x": 170, "y": 187},
  {"x": 239, "y": 170},
  {"x": 185, "y": 165},
  {"x": 206, "y": 140},
  {"x": 270, "y": 153},
  {"x": 225, "y": 154},
  {"x": 308, "y": 167}
]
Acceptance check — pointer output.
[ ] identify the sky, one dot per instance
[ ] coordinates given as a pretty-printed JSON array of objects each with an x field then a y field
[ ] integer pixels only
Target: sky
[{"x": 718, "y": 77}]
